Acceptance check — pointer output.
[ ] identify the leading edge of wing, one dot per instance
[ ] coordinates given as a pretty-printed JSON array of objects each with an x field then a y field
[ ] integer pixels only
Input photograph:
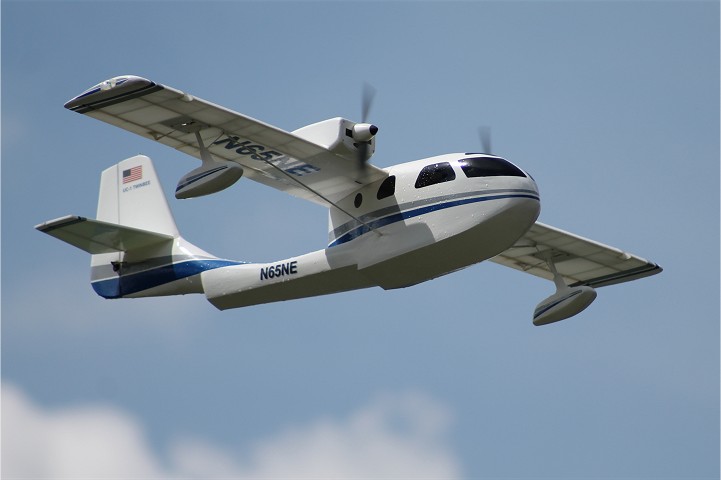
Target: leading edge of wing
[
  {"x": 269, "y": 155},
  {"x": 579, "y": 260},
  {"x": 110, "y": 92}
]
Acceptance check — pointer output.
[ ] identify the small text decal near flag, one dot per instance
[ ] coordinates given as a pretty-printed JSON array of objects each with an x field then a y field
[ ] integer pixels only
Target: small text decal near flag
[{"x": 135, "y": 173}]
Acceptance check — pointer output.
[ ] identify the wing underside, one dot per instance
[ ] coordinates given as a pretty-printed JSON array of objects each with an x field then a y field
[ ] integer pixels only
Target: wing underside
[
  {"x": 579, "y": 260},
  {"x": 267, "y": 154}
]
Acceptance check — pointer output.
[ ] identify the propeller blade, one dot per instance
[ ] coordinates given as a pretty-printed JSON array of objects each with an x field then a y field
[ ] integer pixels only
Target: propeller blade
[
  {"x": 367, "y": 96},
  {"x": 362, "y": 155},
  {"x": 369, "y": 93},
  {"x": 485, "y": 135}
]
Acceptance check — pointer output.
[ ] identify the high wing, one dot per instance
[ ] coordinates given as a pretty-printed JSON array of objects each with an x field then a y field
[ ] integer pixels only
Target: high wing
[
  {"x": 268, "y": 155},
  {"x": 580, "y": 261}
]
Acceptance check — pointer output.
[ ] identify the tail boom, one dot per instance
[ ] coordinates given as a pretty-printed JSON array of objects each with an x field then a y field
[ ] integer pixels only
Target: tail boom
[
  {"x": 135, "y": 247},
  {"x": 158, "y": 276}
]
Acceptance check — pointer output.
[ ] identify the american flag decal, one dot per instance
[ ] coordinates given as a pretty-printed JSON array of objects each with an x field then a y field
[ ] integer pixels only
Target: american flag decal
[{"x": 132, "y": 175}]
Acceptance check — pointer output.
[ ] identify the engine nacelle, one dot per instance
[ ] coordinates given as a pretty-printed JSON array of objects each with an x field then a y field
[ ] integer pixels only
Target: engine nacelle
[
  {"x": 212, "y": 176},
  {"x": 341, "y": 136},
  {"x": 566, "y": 302},
  {"x": 363, "y": 132}
]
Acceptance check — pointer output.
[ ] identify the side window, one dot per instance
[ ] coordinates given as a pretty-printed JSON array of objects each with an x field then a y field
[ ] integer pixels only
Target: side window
[
  {"x": 489, "y": 167},
  {"x": 436, "y": 173},
  {"x": 387, "y": 188}
]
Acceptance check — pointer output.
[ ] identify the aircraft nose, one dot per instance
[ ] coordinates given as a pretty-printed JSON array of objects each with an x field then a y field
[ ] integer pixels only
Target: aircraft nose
[
  {"x": 527, "y": 198},
  {"x": 533, "y": 185},
  {"x": 528, "y": 183},
  {"x": 524, "y": 185}
]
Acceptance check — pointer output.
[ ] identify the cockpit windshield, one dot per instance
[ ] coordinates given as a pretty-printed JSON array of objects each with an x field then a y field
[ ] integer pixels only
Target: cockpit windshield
[
  {"x": 435, "y": 173},
  {"x": 489, "y": 167}
]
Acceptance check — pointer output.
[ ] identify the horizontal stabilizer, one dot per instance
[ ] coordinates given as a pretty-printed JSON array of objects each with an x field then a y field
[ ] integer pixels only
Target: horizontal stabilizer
[{"x": 94, "y": 236}]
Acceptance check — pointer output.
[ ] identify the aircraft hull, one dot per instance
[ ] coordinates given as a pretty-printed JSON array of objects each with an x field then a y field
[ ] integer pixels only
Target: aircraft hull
[
  {"x": 490, "y": 236},
  {"x": 339, "y": 269}
]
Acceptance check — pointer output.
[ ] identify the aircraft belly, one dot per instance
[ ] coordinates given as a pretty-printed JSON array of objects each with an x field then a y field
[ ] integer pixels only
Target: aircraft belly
[
  {"x": 182, "y": 286},
  {"x": 309, "y": 275},
  {"x": 451, "y": 250}
]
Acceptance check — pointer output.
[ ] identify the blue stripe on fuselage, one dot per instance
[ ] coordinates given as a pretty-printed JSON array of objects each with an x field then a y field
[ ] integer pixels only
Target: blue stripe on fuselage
[
  {"x": 398, "y": 217},
  {"x": 124, "y": 285}
]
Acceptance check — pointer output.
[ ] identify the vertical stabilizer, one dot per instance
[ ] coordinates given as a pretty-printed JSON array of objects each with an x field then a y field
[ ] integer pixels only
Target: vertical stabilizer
[
  {"x": 136, "y": 249},
  {"x": 131, "y": 195}
]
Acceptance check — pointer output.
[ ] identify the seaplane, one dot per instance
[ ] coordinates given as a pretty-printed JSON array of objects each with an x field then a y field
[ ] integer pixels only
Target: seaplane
[{"x": 389, "y": 227}]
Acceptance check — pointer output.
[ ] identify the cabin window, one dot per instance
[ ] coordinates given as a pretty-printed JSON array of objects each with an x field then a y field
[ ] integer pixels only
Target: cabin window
[
  {"x": 387, "y": 188},
  {"x": 436, "y": 173},
  {"x": 489, "y": 167}
]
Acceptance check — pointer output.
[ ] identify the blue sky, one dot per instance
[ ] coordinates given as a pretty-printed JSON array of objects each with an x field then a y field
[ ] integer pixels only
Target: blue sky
[{"x": 612, "y": 106}]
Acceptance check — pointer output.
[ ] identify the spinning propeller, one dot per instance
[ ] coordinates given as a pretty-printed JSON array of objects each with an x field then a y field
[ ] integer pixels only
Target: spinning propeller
[
  {"x": 484, "y": 134},
  {"x": 364, "y": 132}
]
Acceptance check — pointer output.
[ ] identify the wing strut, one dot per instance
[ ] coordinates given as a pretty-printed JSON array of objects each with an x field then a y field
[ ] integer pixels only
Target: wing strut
[
  {"x": 557, "y": 278},
  {"x": 208, "y": 159},
  {"x": 205, "y": 155},
  {"x": 314, "y": 192}
]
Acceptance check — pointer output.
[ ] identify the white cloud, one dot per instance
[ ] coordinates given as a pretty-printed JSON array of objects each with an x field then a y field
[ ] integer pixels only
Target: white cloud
[
  {"x": 89, "y": 442},
  {"x": 395, "y": 436}
]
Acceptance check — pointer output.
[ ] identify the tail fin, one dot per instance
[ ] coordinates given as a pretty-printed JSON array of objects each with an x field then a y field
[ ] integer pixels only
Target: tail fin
[
  {"x": 135, "y": 245},
  {"x": 131, "y": 195}
]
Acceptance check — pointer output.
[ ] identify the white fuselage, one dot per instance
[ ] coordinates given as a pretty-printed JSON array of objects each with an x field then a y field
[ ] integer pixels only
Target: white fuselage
[{"x": 433, "y": 219}]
